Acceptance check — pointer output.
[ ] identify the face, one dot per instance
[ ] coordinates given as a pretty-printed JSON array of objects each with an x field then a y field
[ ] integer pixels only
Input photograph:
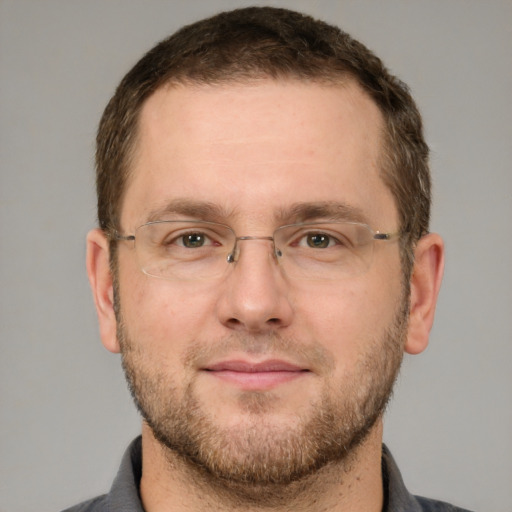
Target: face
[{"x": 254, "y": 370}]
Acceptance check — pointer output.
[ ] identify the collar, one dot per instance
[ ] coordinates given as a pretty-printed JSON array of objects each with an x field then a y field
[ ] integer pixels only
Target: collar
[{"x": 124, "y": 495}]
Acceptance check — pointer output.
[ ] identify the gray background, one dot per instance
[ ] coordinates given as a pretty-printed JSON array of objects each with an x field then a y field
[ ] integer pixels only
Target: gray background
[{"x": 65, "y": 415}]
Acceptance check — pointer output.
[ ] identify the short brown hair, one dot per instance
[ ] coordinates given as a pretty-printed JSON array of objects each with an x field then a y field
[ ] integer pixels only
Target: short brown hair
[{"x": 267, "y": 42}]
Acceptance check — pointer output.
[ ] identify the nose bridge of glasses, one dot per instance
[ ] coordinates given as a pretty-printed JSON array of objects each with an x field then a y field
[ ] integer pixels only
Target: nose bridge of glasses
[{"x": 235, "y": 253}]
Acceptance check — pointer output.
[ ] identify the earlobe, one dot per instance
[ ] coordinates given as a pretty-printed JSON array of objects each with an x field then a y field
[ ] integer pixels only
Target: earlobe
[
  {"x": 100, "y": 279},
  {"x": 425, "y": 284}
]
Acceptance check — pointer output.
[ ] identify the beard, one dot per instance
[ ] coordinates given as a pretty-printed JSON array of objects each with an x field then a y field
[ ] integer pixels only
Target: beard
[{"x": 259, "y": 451}]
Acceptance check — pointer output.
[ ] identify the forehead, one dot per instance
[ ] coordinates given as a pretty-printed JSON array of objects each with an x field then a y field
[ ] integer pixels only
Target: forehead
[{"x": 257, "y": 147}]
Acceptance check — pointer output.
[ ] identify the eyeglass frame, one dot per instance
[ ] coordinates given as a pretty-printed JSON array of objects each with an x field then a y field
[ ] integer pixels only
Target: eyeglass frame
[{"x": 231, "y": 258}]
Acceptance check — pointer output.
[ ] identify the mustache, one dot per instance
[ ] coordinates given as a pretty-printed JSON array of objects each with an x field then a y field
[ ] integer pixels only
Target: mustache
[{"x": 310, "y": 355}]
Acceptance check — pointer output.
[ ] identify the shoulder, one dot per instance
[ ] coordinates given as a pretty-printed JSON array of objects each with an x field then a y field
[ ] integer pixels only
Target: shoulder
[
  {"x": 428, "y": 505},
  {"x": 398, "y": 498},
  {"x": 98, "y": 504}
]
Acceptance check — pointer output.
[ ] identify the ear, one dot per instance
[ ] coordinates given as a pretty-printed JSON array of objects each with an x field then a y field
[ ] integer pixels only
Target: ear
[
  {"x": 426, "y": 280},
  {"x": 100, "y": 278}
]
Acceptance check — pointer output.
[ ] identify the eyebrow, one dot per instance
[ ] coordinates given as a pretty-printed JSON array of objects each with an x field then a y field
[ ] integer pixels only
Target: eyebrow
[
  {"x": 203, "y": 210},
  {"x": 295, "y": 213},
  {"x": 322, "y": 210}
]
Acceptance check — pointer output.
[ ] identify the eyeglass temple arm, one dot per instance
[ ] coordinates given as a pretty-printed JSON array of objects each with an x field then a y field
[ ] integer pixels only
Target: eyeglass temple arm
[
  {"x": 117, "y": 236},
  {"x": 386, "y": 236}
]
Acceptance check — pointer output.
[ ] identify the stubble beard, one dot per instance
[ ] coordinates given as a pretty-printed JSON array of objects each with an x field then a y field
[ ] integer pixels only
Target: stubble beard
[{"x": 257, "y": 453}]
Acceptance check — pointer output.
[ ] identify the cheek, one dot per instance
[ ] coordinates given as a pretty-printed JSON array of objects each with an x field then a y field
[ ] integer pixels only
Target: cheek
[
  {"x": 161, "y": 315},
  {"x": 348, "y": 319}
]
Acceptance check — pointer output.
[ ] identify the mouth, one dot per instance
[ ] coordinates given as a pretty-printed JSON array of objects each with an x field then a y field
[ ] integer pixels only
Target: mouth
[{"x": 252, "y": 376}]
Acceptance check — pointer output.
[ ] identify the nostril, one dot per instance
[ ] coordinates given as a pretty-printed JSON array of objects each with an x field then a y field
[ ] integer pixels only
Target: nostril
[{"x": 233, "y": 323}]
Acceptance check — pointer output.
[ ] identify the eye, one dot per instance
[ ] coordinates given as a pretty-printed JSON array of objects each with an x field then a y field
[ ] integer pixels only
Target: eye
[
  {"x": 193, "y": 240},
  {"x": 314, "y": 239},
  {"x": 319, "y": 240},
  {"x": 331, "y": 237},
  {"x": 181, "y": 238}
]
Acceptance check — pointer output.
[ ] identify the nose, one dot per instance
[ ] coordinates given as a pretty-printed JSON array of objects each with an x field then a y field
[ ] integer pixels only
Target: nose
[{"x": 255, "y": 295}]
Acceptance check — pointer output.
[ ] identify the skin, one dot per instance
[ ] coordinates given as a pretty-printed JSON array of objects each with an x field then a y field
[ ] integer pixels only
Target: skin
[{"x": 254, "y": 151}]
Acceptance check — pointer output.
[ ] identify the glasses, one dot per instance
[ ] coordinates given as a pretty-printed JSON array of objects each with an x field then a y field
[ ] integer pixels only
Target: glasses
[{"x": 191, "y": 250}]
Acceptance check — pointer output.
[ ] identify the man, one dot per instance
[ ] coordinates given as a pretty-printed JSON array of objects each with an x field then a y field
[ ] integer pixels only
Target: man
[{"x": 263, "y": 261}]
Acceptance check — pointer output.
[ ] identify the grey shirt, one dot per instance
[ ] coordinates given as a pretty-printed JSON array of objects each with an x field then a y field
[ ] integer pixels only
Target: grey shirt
[{"x": 124, "y": 494}]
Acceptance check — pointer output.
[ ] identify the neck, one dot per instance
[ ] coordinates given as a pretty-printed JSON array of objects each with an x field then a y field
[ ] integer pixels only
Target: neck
[{"x": 171, "y": 484}]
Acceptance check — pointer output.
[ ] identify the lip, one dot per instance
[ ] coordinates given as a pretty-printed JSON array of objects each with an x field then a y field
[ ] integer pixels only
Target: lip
[{"x": 254, "y": 376}]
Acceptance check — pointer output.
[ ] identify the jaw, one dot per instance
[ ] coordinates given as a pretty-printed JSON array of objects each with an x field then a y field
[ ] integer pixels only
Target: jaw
[{"x": 352, "y": 484}]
